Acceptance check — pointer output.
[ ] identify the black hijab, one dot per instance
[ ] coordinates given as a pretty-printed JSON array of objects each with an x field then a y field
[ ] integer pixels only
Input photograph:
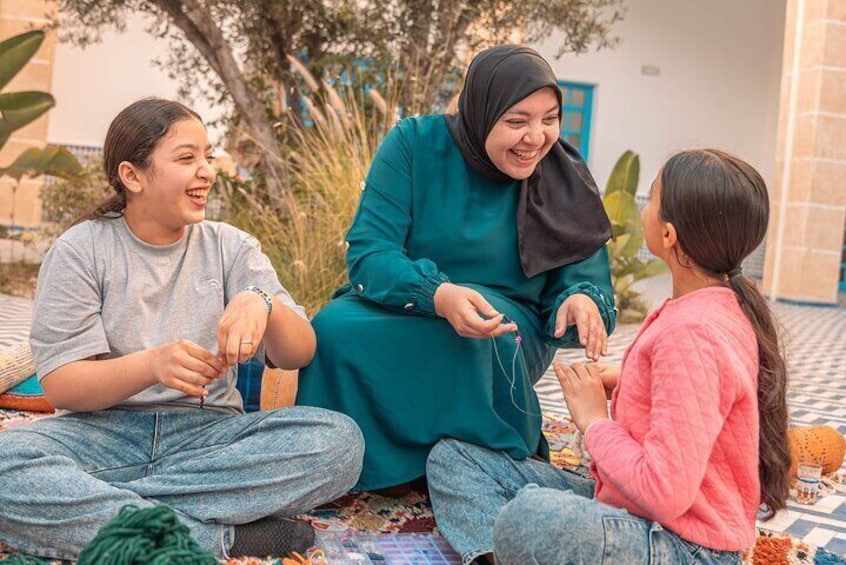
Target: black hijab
[{"x": 560, "y": 217}]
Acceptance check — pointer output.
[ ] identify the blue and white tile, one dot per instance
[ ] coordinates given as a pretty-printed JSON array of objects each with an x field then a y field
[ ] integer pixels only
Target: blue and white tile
[{"x": 15, "y": 317}]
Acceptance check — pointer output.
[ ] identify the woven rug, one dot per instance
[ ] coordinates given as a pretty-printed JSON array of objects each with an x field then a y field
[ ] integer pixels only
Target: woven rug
[
  {"x": 412, "y": 513},
  {"x": 9, "y": 418}
]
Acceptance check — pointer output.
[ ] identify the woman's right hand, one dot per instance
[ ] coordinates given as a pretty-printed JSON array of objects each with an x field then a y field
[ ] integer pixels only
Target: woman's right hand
[
  {"x": 187, "y": 367},
  {"x": 469, "y": 313}
]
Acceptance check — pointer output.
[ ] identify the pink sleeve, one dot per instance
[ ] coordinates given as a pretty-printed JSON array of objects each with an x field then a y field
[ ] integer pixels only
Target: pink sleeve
[{"x": 662, "y": 476}]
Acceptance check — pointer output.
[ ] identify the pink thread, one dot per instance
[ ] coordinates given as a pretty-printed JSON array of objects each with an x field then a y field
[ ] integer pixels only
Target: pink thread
[{"x": 513, "y": 376}]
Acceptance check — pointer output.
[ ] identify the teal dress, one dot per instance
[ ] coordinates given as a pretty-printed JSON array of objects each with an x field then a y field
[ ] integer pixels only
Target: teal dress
[{"x": 383, "y": 356}]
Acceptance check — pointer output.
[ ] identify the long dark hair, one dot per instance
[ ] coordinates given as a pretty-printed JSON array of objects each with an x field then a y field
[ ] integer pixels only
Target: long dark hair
[
  {"x": 133, "y": 136},
  {"x": 720, "y": 208}
]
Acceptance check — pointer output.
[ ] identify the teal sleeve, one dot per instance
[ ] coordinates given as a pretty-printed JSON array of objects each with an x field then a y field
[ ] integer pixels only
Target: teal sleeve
[
  {"x": 590, "y": 276},
  {"x": 377, "y": 263}
]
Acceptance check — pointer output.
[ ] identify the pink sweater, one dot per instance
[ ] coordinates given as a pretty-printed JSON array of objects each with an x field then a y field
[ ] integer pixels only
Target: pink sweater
[{"x": 682, "y": 448}]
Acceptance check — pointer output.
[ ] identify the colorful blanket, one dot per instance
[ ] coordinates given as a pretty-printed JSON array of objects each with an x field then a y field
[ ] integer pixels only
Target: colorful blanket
[{"x": 366, "y": 512}]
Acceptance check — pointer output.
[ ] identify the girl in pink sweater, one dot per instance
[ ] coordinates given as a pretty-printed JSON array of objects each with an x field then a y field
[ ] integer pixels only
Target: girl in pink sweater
[{"x": 696, "y": 441}]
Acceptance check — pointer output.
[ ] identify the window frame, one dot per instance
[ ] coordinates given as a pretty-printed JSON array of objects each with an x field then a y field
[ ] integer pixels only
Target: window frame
[{"x": 586, "y": 109}]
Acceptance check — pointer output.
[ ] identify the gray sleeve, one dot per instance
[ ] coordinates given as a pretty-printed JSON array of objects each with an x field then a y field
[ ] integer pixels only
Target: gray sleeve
[
  {"x": 66, "y": 323},
  {"x": 251, "y": 267}
]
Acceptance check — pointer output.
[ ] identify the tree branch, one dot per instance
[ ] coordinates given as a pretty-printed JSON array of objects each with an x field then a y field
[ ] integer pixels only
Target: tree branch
[{"x": 199, "y": 28}]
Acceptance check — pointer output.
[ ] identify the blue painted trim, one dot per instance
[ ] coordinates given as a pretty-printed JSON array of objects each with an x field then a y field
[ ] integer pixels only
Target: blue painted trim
[
  {"x": 587, "y": 117},
  {"x": 15, "y": 230},
  {"x": 806, "y": 303},
  {"x": 843, "y": 272},
  {"x": 585, "y": 109},
  {"x": 843, "y": 264}
]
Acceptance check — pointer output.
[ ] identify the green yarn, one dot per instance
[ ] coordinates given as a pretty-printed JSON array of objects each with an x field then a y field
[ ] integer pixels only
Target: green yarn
[
  {"x": 21, "y": 559},
  {"x": 144, "y": 536}
]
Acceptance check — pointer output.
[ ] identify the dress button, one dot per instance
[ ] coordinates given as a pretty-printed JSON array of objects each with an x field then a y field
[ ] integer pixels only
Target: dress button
[
  {"x": 362, "y": 186},
  {"x": 360, "y": 287},
  {"x": 409, "y": 306}
]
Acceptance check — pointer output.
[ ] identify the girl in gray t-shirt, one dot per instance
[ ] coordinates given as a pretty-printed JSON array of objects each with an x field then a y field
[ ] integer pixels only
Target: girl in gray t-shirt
[{"x": 142, "y": 312}]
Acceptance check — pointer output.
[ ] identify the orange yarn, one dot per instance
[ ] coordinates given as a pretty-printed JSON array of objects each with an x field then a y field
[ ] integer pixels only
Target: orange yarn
[
  {"x": 822, "y": 445},
  {"x": 770, "y": 551},
  {"x": 314, "y": 557}
]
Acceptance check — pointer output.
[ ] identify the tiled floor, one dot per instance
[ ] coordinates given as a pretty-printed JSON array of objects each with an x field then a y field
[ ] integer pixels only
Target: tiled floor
[
  {"x": 815, "y": 340},
  {"x": 15, "y": 315}
]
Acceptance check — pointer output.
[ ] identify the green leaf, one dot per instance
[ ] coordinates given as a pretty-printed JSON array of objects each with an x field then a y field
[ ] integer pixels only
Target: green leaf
[
  {"x": 50, "y": 160},
  {"x": 617, "y": 244},
  {"x": 624, "y": 175},
  {"x": 629, "y": 267},
  {"x": 16, "y": 52},
  {"x": 618, "y": 230},
  {"x": 651, "y": 269},
  {"x": 622, "y": 209},
  {"x": 634, "y": 243},
  {"x": 17, "y": 109}
]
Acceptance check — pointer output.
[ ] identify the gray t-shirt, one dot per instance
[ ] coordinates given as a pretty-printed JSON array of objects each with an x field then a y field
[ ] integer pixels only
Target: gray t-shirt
[{"x": 103, "y": 292}]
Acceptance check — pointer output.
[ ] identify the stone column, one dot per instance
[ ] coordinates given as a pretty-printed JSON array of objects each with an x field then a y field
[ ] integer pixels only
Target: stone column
[
  {"x": 20, "y": 203},
  {"x": 808, "y": 197}
]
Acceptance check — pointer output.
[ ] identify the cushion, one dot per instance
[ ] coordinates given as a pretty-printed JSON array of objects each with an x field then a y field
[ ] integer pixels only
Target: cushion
[
  {"x": 26, "y": 395},
  {"x": 264, "y": 387},
  {"x": 278, "y": 388},
  {"x": 249, "y": 383},
  {"x": 16, "y": 364}
]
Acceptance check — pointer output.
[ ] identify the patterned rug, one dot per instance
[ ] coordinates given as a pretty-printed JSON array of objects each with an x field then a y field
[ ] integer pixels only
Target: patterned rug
[
  {"x": 412, "y": 514},
  {"x": 9, "y": 418}
]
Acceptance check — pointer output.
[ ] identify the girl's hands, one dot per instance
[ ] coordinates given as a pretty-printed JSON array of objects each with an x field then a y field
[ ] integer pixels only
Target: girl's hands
[
  {"x": 242, "y": 327},
  {"x": 469, "y": 313},
  {"x": 185, "y": 366},
  {"x": 609, "y": 375},
  {"x": 580, "y": 310},
  {"x": 584, "y": 393}
]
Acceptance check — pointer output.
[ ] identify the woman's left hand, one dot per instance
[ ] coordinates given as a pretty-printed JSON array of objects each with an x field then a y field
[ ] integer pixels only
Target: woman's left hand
[
  {"x": 242, "y": 327},
  {"x": 580, "y": 310},
  {"x": 583, "y": 392}
]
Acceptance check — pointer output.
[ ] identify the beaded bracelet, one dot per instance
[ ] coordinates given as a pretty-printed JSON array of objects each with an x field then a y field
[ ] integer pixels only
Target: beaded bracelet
[{"x": 268, "y": 300}]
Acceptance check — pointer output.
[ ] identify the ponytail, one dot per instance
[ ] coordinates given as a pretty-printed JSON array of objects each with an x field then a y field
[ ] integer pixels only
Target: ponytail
[
  {"x": 773, "y": 445},
  {"x": 108, "y": 210},
  {"x": 720, "y": 208}
]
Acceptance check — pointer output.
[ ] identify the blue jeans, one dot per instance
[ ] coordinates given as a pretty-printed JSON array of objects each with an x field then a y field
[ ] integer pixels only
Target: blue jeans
[
  {"x": 529, "y": 511},
  {"x": 63, "y": 478}
]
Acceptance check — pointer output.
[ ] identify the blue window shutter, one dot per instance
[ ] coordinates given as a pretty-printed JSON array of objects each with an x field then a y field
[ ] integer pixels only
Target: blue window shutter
[{"x": 576, "y": 113}]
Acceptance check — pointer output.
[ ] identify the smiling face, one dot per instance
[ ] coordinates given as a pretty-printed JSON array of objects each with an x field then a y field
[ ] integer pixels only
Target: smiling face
[
  {"x": 524, "y": 134},
  {"x": 172, "y": 191}
]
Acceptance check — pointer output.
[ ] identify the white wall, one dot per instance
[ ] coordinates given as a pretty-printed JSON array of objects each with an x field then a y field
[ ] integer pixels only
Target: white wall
[
  {"x": 92, "y": 85},
  {"x": 720, "y": 73},
  {"x": 719, "y": 61}
]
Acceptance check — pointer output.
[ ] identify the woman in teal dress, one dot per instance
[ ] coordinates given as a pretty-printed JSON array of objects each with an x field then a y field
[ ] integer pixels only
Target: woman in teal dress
[{"x": 477, "y": 249}]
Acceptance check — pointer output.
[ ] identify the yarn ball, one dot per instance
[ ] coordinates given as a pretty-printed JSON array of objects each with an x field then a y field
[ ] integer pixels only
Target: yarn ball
[
  {"x": 144, "y": 536},
  {"x": 21, "y": 559},
  {"x": 822, "y": 445}
]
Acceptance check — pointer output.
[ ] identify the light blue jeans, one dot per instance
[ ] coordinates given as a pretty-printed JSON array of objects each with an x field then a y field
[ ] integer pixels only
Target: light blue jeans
[
  {"x": 532, "y": 512},
  {"x": 63, "y": 478}
]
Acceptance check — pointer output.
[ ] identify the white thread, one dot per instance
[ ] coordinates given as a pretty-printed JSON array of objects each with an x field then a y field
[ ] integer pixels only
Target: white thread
[{"x": 511, "y": 380}]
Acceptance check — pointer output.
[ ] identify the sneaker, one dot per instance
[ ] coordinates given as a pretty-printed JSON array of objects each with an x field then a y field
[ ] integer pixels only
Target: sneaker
[{"x": 271, "y": 536}]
